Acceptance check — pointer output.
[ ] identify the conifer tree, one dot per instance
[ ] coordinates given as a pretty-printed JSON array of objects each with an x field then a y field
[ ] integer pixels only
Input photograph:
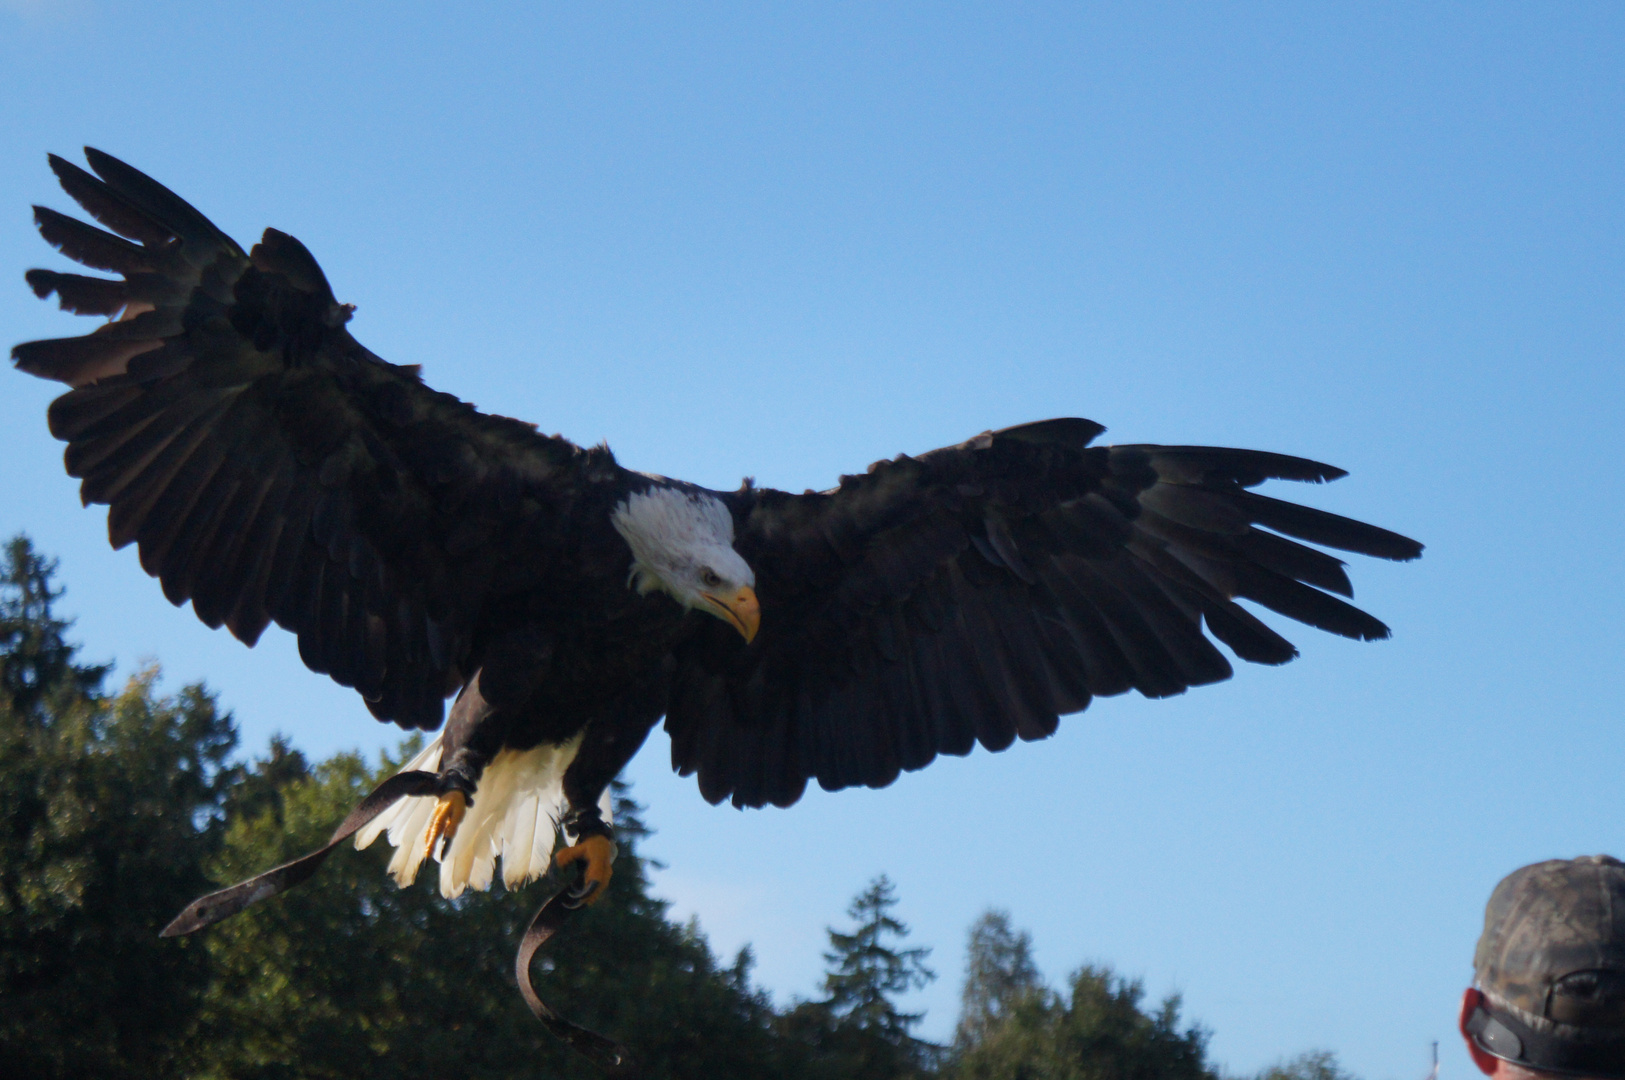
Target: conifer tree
[
  {"x": 857, "y": 1032},
  {"x": 999, "y": 976},
  {"x": 866, "y": 972},
  {"x": 37, "y": 664},
  {"x": 111, "y": 807}
]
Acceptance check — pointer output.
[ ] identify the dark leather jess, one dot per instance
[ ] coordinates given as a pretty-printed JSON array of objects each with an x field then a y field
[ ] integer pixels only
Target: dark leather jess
[{"x": 609, "y": 1055}]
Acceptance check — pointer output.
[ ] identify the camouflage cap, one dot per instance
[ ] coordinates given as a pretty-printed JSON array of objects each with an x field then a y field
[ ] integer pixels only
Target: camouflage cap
[{"x": 1552, "y": 962}]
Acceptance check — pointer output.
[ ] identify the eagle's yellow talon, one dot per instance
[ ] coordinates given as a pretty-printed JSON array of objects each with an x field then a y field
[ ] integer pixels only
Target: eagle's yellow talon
[
  {"x": 448, "y": 814},
  {"x": 599, "y": 851}
]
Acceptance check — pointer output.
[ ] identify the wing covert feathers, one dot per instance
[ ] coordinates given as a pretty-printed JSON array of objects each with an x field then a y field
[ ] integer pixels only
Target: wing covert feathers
[
  {"x": 269, "y": 467},
  {"x": 977, "y": 593}
]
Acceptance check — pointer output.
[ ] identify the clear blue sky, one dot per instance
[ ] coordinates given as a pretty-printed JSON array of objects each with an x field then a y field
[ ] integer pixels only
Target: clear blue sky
[{"x": 788, "y": 240}]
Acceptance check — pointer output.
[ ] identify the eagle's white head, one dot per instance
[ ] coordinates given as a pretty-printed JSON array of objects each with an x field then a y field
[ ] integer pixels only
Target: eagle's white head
[{"x": 682, "y": 544}]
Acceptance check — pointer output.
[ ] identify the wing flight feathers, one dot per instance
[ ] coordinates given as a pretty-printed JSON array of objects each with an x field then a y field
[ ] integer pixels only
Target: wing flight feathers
[
  {"x": 268, "y": 466},
  {"x": 975, "y": 594}
]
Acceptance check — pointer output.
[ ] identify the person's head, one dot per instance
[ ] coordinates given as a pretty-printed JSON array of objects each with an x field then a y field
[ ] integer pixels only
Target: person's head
[{"x": 1548, "y": 998}]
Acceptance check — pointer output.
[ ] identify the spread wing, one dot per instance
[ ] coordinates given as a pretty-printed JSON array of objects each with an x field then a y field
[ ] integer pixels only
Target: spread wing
[
  {"x": 978, "y": 592},
  {"x": 268, "y": 466}
]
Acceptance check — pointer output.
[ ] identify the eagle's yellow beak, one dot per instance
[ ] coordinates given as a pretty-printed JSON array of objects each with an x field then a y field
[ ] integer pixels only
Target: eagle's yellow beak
[{"x": 740, "y": 610}]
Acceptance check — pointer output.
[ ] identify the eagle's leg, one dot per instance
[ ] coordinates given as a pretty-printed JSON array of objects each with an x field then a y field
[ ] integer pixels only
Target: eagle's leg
[
  {"x": 458, "y": 780},
  {"x": 448, "y": 814},
  {"x": 472, "y": 738},
  {"x": 592, "y": 843},
  {"x": 598, "y": 852},
  {"x": 606, "y": 747}
]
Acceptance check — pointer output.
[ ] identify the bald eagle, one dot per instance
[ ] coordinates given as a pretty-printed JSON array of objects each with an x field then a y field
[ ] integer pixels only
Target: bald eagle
[{"x": 272, "y": 469}]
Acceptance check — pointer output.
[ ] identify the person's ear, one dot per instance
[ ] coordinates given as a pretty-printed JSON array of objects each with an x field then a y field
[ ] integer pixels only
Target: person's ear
[{"x": 1487, "y": 1063}]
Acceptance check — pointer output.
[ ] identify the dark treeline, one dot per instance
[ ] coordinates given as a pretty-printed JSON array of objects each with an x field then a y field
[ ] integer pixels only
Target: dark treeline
[{"x": 122, "y": 806}]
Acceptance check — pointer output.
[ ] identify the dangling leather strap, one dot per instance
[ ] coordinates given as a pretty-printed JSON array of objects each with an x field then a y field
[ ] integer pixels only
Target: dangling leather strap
[
  {"x": 210, "y": 909},
  {"x": 614, "y": 1058},
  {"x": 609, "y": 1055}
]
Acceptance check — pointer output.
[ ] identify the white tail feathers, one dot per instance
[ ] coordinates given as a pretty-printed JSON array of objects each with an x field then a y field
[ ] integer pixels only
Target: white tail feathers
[{"x": 514, "y": 816}]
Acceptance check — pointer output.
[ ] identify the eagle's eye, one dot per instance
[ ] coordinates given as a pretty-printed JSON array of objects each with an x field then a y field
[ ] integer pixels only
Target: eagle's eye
[{"x": 709, "y": 578}]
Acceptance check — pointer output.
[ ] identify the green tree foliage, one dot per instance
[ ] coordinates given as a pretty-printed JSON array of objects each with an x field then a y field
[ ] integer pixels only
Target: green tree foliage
[
  {"x": 111, "y": 809},
  {"x": 118, "y": 809},
  {"x": 999, "y": 976},
  {"x": 1013, "y": 1027},
  {"x": 1315, "y": 1065},
  {"x": 1098, "y": 1031},
  {"x": 857, "y": 1032}
]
